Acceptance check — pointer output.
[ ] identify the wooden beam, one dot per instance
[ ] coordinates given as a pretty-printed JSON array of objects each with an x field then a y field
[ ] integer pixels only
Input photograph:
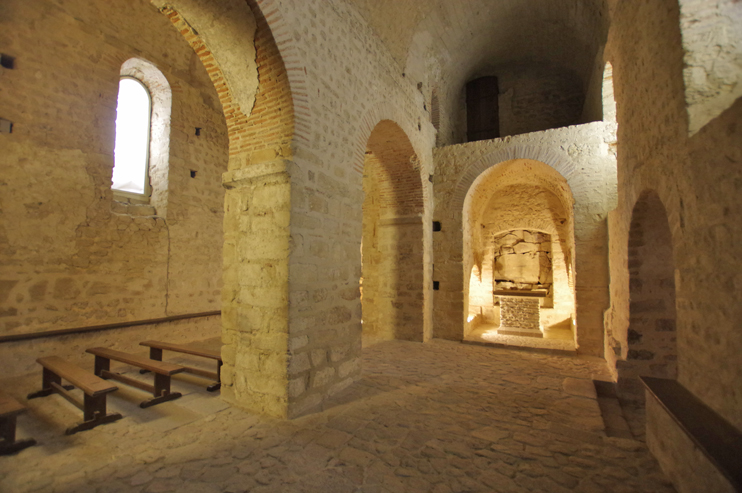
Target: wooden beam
[{"x": 94, "y": 328}]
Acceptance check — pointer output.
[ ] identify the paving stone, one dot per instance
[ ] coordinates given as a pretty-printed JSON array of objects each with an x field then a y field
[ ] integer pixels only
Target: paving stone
[{"x": 445, "y": 420}]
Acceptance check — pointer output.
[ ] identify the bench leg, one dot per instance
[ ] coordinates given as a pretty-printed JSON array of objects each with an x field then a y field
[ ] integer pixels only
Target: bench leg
[
  {"x": 101, "y": 364},
  {"x": 162, "y": 391},
  {"x": 216, "y": 386},
  {"x": 47, "y": 377},
  {"x": 9, "y": 445},
  {"x": 94, "y": 412},
  {"x": 155, "y": 354}
]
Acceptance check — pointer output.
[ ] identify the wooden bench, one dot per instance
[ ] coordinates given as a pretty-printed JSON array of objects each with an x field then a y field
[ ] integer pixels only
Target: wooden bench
[
  {"x": 163, "y": 371},
  {"x": 9, "y": 411},
  {"x": 155, "y": 353},
  {"x": 719, "y": 441},
  {"x": 96, "y": 389}
]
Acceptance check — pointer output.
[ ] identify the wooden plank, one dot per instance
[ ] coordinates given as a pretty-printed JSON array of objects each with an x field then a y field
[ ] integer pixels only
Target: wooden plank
[
  {"x": 94, "y": 328},
  {"x": 129, "y": 381},
  {"x": 179, "y": 348},
  {"x": 138, "y": 361},
  {"x": 9, "y": 406},
  {"x": 70, "y": 398},
  {"x": 715, "y": 437},
  {"x": 86, "y": 381}
]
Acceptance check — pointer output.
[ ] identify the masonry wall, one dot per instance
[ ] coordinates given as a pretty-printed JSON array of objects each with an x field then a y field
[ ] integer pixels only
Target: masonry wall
[
  {"x": 348, "y": 84},
  {"x": 70, "y": 256},
  {"x": 583, "y": 157},
  {"x": 534, "y": 98},
  {"x": 697, "y": 181}
]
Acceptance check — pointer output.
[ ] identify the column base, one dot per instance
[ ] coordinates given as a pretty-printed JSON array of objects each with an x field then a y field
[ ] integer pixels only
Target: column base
[{"x": 511, "y": 331}]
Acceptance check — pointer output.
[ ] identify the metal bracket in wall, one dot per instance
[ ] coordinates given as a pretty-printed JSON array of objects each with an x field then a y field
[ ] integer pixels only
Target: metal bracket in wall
[{"x": 6, "y": 126}]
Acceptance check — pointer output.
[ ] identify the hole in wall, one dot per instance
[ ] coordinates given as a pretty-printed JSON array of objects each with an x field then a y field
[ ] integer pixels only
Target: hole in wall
[
  {"x": 436, "y": 225},
  {"x": 6, "y": 126},
  {"x": 198, "y": 131},
  {"x": 7, "y": 61},
  {"x": 193, "y": 174},
  {"x": 436, "y": 285}
]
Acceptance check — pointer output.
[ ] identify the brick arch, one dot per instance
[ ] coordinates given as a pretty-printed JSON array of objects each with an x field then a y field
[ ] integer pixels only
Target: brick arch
[
  {"x": 391, "y": 157},
  {"x": 376, "y": 114},
  {"x": 392, "y": 246},
  {"x": 267, "y": 130},
  {"x": 554, "y": 159}
]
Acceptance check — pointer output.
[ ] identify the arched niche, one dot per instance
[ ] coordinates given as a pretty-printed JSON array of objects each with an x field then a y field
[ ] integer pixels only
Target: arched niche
[
  {"x": 523, "y": 208},
  {"x": 392, "y": 244},
  {"x": 651, "y": 339}
]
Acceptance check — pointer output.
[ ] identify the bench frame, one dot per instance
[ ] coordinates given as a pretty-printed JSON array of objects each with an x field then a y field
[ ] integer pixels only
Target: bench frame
[
  {"x": 160, "y": 390},
  {"x": 8, "y": 420},
  {"x": 93, "y": 407},
  {"x": 155, "y": 352}
]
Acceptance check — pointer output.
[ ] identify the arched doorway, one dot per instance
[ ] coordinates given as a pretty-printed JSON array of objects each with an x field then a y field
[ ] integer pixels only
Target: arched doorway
[
  {"x": 246, "y": 67},
  {"x": 519, "y": 241},
  {"x": 392, "y": 244}
]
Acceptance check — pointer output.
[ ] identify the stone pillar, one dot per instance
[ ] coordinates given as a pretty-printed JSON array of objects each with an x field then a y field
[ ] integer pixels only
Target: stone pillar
[{"x": 255, "y": 293}]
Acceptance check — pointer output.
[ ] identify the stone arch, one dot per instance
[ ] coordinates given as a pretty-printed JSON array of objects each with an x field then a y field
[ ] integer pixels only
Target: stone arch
[
  {"x": 651, "y": 338},
  {"x": 393, "y": 296},
  {"x": 262, "y": 133},
  {"x": 594, "y": 195},
  {"x": 376, "y": 114},
  {"x": 260, "y": 126},
  {"x": 543, "y": 202},
  {"x": 545, "y": 155}
]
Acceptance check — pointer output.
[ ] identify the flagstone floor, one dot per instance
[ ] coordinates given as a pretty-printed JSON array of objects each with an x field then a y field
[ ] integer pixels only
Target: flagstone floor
[{"x": 436, "y": 417}]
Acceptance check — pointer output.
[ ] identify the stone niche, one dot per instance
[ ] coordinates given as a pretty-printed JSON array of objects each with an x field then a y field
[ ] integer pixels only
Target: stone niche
[
  {"x": 522, "y": 277},
  {"x": 522, "y": 261}
]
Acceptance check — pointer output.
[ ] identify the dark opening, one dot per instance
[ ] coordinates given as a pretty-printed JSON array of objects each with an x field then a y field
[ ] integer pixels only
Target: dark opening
[
  {"x": 7, "y": 61},
  {"x": 436, "y": 225},
  {"x": 482, "y": 110},
  {"x": 436, "y": 285},
  {"x": 193, "y": 174},
  {"x": 6, "y": 126}
]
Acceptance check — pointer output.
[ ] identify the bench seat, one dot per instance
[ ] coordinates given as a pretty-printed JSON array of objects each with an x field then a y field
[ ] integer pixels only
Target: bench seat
[
  {"x": 718, "y": 440},
  {"x": 162, "y": 371},
  {"x": 10, "y": 408},
  {"x": 95, "y": 389},
  {"x": 157, "y": 347}
]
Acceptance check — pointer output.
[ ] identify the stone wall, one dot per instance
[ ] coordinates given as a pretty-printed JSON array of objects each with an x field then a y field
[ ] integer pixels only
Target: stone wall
[
  {"x": 696, "y": 179},
  {"x": 533, "y": 98},
  {"x": 352, "y": 84},
  {"x": 582, "y": 156},
  {"x": 70, "y": 255},
  {"x": 652, "y": 344}
]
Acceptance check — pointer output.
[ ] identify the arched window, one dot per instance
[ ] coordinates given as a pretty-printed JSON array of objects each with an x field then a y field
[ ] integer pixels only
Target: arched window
[
  {"x": 142, "y": 148},
  {"x": 131, "y": 151}
]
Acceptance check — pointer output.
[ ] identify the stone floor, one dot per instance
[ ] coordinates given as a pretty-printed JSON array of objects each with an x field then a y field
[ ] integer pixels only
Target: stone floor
[
  {"x": 554, "y": 339},
  {"x": 436, "y": 417}
]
